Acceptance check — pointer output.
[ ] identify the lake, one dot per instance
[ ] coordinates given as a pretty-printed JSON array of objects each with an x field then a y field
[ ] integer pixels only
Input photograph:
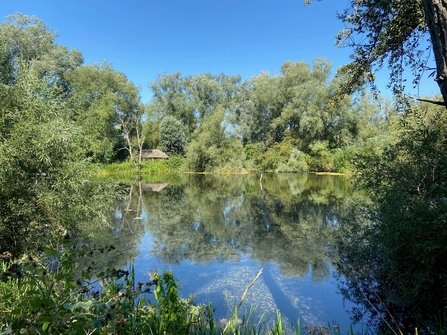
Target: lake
[{"x": 215, "y": 232}]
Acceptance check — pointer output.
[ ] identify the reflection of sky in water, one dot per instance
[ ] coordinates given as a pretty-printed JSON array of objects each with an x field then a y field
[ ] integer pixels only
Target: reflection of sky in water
[{"x": 223, "y": 283}]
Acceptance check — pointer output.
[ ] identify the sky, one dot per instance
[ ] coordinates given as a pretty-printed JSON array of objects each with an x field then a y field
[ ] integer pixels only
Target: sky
[{"x": 146, "y": 38}]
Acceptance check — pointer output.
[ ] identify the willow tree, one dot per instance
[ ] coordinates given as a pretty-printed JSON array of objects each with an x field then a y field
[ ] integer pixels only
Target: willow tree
[
  {"x": 108, "y": 108},
  {"x": 27, "y": 40},
  {"x": 395, "y": 32}
]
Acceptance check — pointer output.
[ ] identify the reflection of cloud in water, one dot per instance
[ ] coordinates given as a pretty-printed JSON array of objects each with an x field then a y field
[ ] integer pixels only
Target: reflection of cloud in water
[
  {"x": 223, "y": 283},
  {"x": 229, "y": 284},
  {"x": 293, "y": 297}
]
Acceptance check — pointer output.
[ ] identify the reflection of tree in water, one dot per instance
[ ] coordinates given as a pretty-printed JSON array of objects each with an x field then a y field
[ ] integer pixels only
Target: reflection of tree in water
[
  {"x": 124, "y": 231},
  {"x": 287, "y": 220}
]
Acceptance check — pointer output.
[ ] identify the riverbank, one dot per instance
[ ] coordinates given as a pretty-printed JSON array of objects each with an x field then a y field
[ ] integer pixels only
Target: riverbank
[{"x": 172, "y": 166}]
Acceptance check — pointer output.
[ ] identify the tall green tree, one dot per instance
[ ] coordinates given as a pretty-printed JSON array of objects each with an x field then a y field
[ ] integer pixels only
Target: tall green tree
[
  {"x": 310, "y": 112},
  {"x": 396, "y": 263},
  {"x": 172, "y": 137},
  {"x": 214, "y": 147},
  {"x": 191, "y": 99},
  {"x": 43, "y": 185},
  {"x": 106, "y": 105},
  {"x": 28, "y": 40},
  {"x": 170, "y": 97},
  {"x": 263, "y": 102}
]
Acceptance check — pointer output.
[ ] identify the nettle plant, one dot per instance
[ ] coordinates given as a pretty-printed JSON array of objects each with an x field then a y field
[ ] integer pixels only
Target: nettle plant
[{"x": 55, "y": 294}]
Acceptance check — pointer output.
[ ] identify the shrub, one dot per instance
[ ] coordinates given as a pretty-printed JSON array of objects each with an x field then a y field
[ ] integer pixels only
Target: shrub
[
  {"x": 296, "y": 163},
  {"x": 51, "y": 294}
]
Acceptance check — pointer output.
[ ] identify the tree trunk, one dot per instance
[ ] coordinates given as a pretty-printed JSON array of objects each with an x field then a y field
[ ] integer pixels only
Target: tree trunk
[{"x": 436, "y": 18}]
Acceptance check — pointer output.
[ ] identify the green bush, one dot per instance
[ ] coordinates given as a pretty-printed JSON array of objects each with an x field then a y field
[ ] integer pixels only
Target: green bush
[
  {"x": 278, "y": 154},
  {"x": 296, "y": 163},
  {"x": 51, "y": 294},
  {"x": 321, "y": 159}
]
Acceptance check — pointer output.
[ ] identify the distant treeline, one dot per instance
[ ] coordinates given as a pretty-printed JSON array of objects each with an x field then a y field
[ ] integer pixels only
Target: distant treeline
[{"x": 294, "y": 121}]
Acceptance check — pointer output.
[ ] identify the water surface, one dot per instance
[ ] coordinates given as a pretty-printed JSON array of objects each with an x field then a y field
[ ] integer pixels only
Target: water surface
[{"x": 216, "y": 232}]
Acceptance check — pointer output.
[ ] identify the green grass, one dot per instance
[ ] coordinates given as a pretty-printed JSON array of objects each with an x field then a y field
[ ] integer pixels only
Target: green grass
[{"x": 169, "y": 166}]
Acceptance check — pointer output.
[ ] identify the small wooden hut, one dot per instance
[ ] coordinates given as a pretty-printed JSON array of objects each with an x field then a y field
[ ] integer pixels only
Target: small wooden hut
[{"x": 153, "y": 154}]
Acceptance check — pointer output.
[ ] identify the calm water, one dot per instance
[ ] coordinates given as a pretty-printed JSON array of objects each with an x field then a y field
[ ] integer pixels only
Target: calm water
[{"x": 216, "y": 232}]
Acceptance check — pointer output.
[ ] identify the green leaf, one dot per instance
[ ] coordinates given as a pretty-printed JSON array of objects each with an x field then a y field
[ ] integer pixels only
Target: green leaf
[
  {"x": 37, "y": 303},
  {"x": 71, "y": 284},
  {"x": 45, "y": 326},
  {"x": 59, "y": 276},
  {"x": 50, "y": 252},
  {"x": 16, "y": 311},
  {"x": 6, "y": 331},
  {"x": 68, "y": 306},
  {"x": 46, "y": 318},
  {"x": 84, "y": 305}
]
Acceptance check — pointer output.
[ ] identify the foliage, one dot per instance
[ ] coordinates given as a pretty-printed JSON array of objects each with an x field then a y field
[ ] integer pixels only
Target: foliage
[
  {"x": 213, "y": 148},
  {"x": 151, "y": 127},
  {"x": 41, "y": 180},
  {"x": 396, "y": 32},
  {"x": 276, "y": 155},
  {"x": 53, "y": 295},
  {"x": 171, "y": 136},
  {"x": 299, "y": 106},
  {"x": 397, "y": 261},
  {"x": 170, "y": 166},
  {"x": 389, "y": 30},
  {"x": 322, "y": 158},
  {"x": 296, "y": 163},
  {"x": 107, "y": 108},
  {"x": 27, "y": 40}
]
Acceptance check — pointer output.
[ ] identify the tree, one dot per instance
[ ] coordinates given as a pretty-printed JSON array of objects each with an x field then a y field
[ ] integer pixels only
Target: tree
[
  {"x": 28, "y": 40},
  {"x": 151, "y": 126},
  {"x": 261, "y": 104},
  {"x": 171, "y": 136},
  {"x": 107, "y": 106},
  {"x": 298, "y": 104},
  {"x": 171, "y": 98},
  {"x": 310, "y": 112},
  {"x": 131, "y": 126},
  {"x": 395, "y": 257},
  {"x": 191, "y": 99},
  {"x": 394, "y": 31},
  {"x": 43, "y": 186},
  {"x": 214, "y": 147}
]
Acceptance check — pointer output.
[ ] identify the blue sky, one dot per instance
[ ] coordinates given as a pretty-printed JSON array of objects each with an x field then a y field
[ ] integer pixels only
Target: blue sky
[{"x": 144, "y": 38}]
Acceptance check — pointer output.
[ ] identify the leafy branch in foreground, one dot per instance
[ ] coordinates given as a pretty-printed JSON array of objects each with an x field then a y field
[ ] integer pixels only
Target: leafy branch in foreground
[{"x": 52, "y": 294}]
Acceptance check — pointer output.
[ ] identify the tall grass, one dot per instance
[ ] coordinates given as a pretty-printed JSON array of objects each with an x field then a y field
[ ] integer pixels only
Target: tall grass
[{"x": 170, "y": 166}]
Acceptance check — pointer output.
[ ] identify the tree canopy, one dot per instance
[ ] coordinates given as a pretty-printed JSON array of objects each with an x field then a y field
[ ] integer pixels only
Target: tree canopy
[{"x": 394, "y": 32}]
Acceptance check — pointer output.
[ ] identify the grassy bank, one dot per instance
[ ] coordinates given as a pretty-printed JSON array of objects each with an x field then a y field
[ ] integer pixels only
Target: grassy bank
[
  {"x": 163, "y": 167},
  {"x": 170, "y": 166}
]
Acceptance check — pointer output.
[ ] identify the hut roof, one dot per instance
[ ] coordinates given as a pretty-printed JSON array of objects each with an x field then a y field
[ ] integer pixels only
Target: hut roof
[{"x": 153, "y": 154}]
